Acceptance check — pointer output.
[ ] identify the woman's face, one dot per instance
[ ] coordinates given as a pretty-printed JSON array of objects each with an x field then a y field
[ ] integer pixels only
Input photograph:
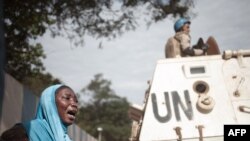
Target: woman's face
[{"x": 67, "y": 107}]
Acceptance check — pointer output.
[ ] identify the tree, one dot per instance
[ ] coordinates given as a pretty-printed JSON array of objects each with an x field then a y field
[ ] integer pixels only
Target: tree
[
  {"x": 38, "y": 82},
  {"x": 24, "y": 21},
  {"x": 104, "y": 109},
  {"x": 111, "y": 18}
]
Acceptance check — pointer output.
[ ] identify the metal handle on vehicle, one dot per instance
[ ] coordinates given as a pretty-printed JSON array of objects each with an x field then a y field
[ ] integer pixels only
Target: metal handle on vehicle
[
  {"x": 200, "y": 132},
  {"x": 245, "y": 109},
  {"x": 178, "y": 132}
]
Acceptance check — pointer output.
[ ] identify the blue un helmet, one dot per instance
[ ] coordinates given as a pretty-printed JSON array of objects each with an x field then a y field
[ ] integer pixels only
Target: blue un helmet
[{"x": 179, "y": 23}]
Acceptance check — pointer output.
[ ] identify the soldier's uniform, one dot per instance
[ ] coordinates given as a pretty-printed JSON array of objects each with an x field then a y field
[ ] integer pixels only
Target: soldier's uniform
[{"x": 180, "y": 46}]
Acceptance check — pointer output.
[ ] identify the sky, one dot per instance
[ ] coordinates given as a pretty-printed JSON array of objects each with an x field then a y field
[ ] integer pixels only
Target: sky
[{"x": 129, "y": 61}]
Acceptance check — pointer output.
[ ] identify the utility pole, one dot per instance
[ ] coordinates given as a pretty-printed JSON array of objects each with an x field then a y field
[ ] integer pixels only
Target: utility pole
[{"x": 99, "y": 129}]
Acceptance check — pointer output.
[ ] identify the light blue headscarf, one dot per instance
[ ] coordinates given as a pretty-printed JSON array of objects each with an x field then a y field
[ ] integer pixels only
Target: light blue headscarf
[{"x": 47, "y": 125}]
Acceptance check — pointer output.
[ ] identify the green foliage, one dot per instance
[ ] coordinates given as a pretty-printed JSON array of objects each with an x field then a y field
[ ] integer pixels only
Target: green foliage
[
  {"x": 24, "y": 61},
  {"x": 111, "y": 18},
  {"x": 106, "y": 110},
  {"x": 24, "y": 21},
  {"x": 38, "y": 82}
]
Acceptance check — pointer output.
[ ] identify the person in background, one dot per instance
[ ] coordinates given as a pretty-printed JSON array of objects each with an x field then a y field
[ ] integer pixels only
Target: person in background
[
  {"x": 56, "y": 110},
  {"x": 180, "y": 44}
]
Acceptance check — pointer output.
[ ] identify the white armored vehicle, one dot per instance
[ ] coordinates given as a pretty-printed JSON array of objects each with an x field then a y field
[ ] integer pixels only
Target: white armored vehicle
[{"x": 192, "y": 98}]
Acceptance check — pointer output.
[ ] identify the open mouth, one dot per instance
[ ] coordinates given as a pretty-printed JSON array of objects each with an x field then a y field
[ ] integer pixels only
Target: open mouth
[{"x": 72, "y": 114}]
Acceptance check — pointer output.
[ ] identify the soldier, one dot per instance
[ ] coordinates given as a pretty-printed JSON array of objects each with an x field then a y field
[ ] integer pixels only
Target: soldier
[{"x": 180, "y": 44}]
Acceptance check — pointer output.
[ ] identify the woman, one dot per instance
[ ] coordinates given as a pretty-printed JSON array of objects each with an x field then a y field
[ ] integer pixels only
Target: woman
[{"x": 56, "y": 110}]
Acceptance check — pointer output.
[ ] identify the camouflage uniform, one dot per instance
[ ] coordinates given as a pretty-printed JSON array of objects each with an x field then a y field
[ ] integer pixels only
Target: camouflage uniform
[{"x": 180, "y": 46}]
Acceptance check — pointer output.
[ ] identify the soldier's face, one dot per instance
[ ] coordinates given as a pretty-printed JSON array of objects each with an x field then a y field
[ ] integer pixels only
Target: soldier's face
[{"x": 186, "y": 28}]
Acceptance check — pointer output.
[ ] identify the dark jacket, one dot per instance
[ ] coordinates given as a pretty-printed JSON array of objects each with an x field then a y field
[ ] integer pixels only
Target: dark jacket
[{"x": 15, "y": 133}]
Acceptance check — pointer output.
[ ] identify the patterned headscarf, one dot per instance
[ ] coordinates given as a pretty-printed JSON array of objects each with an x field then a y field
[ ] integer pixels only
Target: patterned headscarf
[{"x": 47, "y": 126}]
